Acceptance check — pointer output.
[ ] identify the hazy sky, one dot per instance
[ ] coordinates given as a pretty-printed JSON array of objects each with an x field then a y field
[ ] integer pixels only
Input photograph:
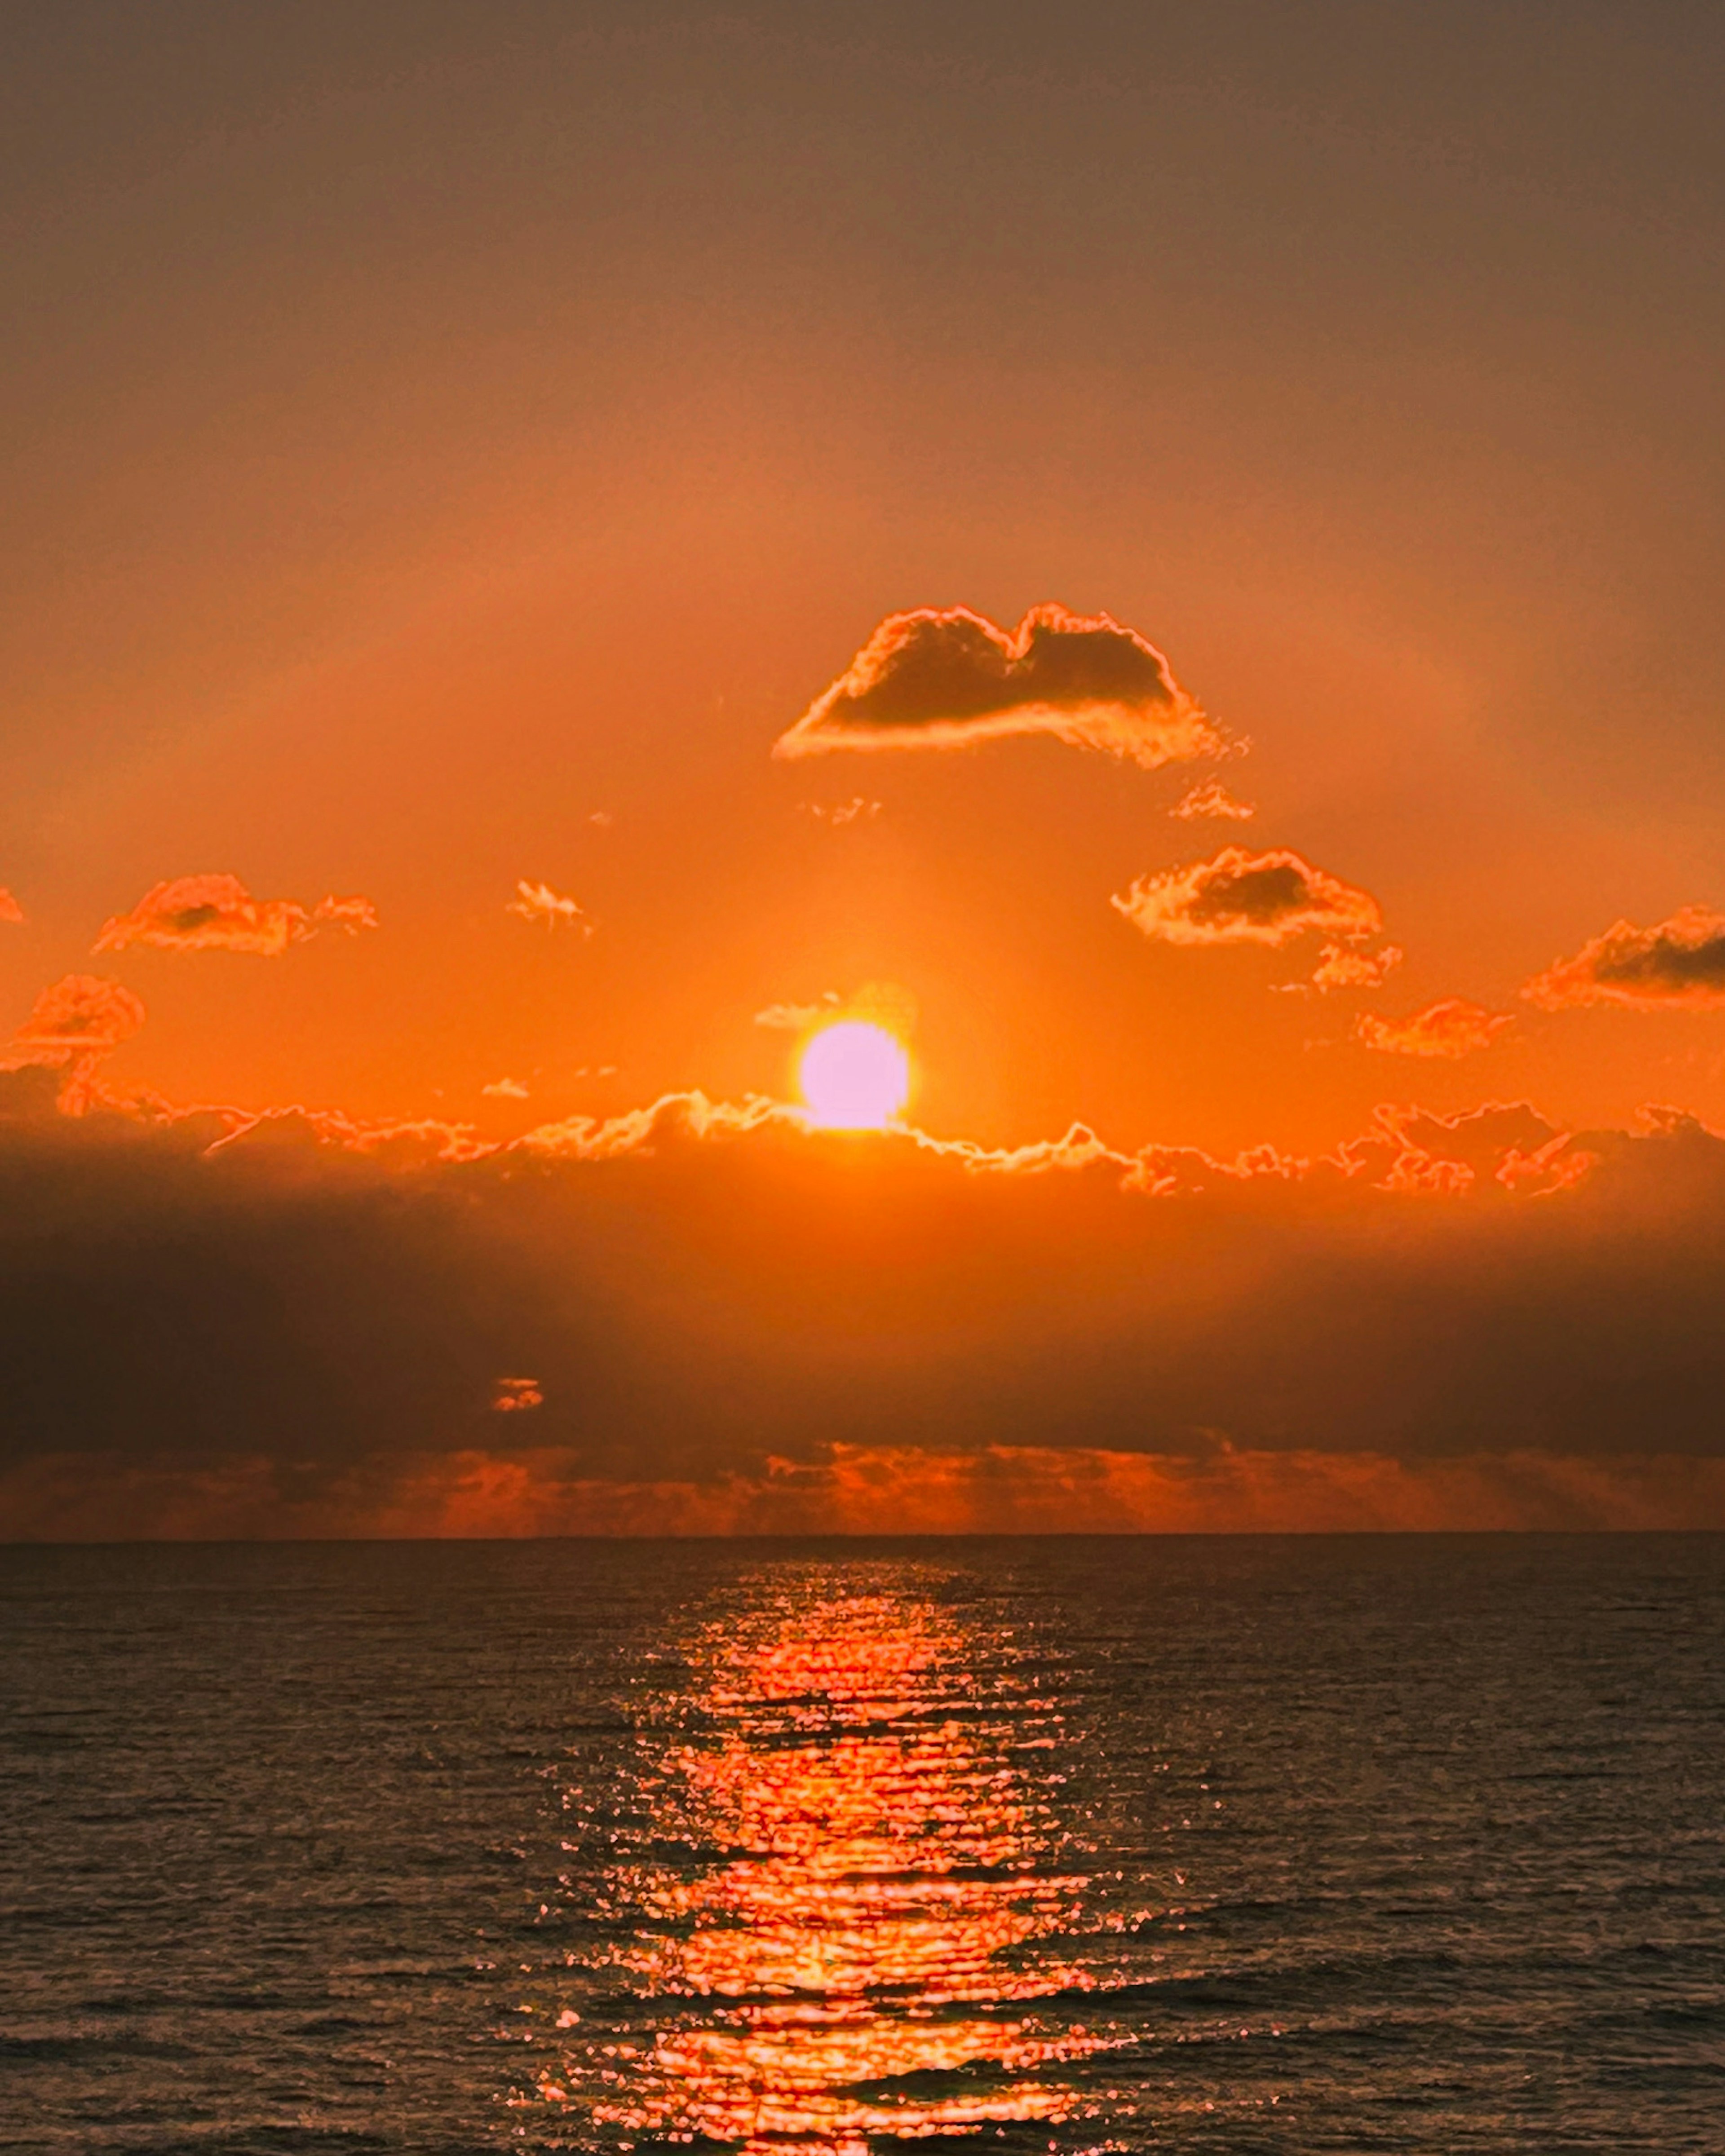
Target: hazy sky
[{"x": 449, "y": 446}]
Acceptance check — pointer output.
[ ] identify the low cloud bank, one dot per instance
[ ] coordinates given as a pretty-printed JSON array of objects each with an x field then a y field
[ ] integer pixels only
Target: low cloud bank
[
  {"x": 273, "y": 1321},
  {"x": 848, "y": 1489}
]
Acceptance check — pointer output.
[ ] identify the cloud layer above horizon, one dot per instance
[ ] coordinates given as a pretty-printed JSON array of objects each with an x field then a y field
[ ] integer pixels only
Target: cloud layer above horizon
[{"x": 728, "y": 1317}]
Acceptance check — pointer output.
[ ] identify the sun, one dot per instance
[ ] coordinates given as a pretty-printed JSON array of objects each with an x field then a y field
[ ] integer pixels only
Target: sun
[{"x": 855, "y": 1076}]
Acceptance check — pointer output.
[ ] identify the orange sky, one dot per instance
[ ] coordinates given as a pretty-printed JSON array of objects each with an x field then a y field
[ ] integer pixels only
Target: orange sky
[{"x": 453, "y": 445}]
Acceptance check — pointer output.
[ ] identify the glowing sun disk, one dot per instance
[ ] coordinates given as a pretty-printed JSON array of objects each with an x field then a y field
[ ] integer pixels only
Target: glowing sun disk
[{"x": 855, "y": 1076}]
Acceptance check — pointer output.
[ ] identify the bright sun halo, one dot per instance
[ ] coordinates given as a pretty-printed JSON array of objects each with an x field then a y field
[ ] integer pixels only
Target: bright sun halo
[{"x": 855, "y": 1076}]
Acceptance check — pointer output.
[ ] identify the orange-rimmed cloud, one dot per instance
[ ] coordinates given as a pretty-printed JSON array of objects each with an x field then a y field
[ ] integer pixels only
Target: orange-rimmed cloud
[
  {"x": 1677, "y": 964},
  {"x": 1496, "y": 1148},
  {"x": 218, "y": 913},
  {"x": 73, "y": 1025},
  {"x": 1451, "y": 1027},
  {"x": 943, "y": 677},
  {"x": 81, "y": 1014},
  {"x": 10, "y": 911},
  {"x": 1242, "y": 897},
  {"x": 312, "y": 1138},
  {"x": 673, "y": 1115}
]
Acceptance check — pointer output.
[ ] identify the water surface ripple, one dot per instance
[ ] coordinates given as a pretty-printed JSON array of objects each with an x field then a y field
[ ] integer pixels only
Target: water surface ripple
[{"x": 1405, "y": 1843}]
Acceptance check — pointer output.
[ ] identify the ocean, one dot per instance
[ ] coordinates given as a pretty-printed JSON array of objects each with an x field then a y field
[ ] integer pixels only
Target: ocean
[{"x": 1233, "y": 1843}]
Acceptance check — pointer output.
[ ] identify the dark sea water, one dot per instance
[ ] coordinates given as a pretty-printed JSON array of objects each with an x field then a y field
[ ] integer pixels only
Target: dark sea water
[{"x": 1355, "y": 1844}]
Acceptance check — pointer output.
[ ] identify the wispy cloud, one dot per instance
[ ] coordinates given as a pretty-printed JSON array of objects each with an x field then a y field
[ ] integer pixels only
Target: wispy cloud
[
  {"x": 1678, "y": 964},
  {"x": 1240, "y": 897},
  {"x": 218, "y": 913},
  {"x": 1339, "y": 967},
  {"x": 945, "y": 678},
  {"x": 505, "y": 1089},
  {"x": 1212, "y": 799},
  {"x": 794, "y": 1017},
  {"x": 1452, "y": 1028},
  {"x": 539, "y": 902},
  {"x": 839, "y": 813}
]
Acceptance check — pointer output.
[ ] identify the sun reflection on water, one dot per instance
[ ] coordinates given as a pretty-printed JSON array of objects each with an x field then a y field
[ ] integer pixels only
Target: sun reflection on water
[{"x": 840, "y": 1911}]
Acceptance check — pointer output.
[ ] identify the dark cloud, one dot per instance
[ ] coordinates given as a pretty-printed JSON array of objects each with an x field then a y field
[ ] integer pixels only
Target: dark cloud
[
  {"x": 218, "y": 913},
  {"x": 1680, "y": 964},
  {"x": 1451, "y": 1028},
  {"x": 943, "y": 677},
  {"x": 304, "y": 1306},
  {"x": 1241, "y": 897}
]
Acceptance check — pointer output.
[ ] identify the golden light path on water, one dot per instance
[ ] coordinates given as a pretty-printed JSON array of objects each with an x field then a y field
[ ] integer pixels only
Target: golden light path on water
[{"x": 853, "y": 1890}]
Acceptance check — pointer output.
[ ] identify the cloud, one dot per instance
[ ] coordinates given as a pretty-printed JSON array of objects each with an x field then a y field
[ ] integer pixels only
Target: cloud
[
  {"x": 538, "y": 901},
  {"x": 79, "y": 1015},
  {"x": 517, "y": 1396},
  {"x": 10, "y": 909},
  {"x": 1452, "y": 1028},
  {"x": 1680, "y": 964},
  {"x": 295, "y": 1322},
  {"x": 797, "y": 1018},
  {"x": 863, "y": 1488},
  {"x": 1479, "y": 1140},
  {"x": 674, "y": 1116},
  {"x": 944, "y": 677},
  {"x": 73, "y": 1025},
  {"x": 1240, "y": 897},
  {"x": 839, "y": 814},
  {"x": 1212, "y": 799},
  {"x": 1339, "y": 967},
  {"x": 218, "y": 913},
  {"x": 505, "y": 1089}
]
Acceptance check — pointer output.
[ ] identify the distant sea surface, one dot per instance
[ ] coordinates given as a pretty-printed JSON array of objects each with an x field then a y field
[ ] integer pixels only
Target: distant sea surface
[{"x": 1406, "y": 1844}]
